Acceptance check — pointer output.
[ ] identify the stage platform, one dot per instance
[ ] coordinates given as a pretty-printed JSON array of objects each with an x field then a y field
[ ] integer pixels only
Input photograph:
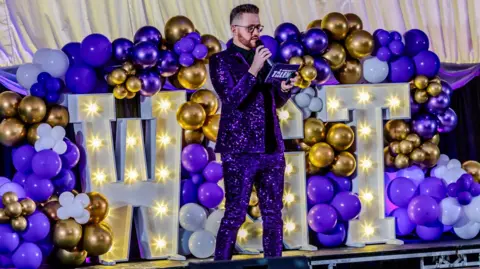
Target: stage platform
[{"x": 447, "y": 254}]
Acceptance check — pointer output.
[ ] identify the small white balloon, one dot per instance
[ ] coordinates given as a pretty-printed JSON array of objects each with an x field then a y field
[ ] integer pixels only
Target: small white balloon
[
  {"x": 310, "y": 91},
  {"x": 202, "y": 244},
  {"x": 316, "y": 104},
  {"x": 472, "y": 210},
  {"x": 44, "y": 129},
  {"x": 66, "y": 198},
  {"x": 468, "y": 231},
  {"x": 462, "y": 221},
  {"x": 184, "y": 237},
  {"x": 62, "y": 213},
  {"x": 55, "y": 63},
  {"x": 454, "y": 163},
  {"x": 213, "y": 221},
  {"x": 84, "y": 218},
  {"x": 27, "y": 75},
  {"x": 306, "y": 113},
  {"x": 443, "y": 160},
  {"x": 192, "y": 217},
  {"x": 451, "y": 211},
  {"x": 60, "y": 147},
  {"x": 83, "y": 199},
  {"x": 39, "y": 145},
  {"x": 302, "y": 100},
  {"x": 438, "y": 171},
  {"x": 452, "y": 175},
  {"x": 374, "y": 70},
  {"x": 75, "y": 210},
  {"x": 44, "y": 143},
  {"x": 58, "y": 133},
  {"x": 41, "y": 56}
]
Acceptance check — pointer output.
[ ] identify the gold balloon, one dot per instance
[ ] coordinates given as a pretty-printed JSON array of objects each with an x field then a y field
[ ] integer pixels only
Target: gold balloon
[
  {"x": 71, "y": 258},
  {"x": 191, "y": 116},
  {"x": 98, "y": 207},
  {"x": 308, "y": 73},
  {"x": 9, "y": 102},
  {"x": 350, "y": 73},
  {"x": 311, "y": 169},
  {"x": 401, "y": 161},
  {"x": 9, "y": 197},
  {"x": 193, "y": 136},
  {"x": 110, "y": 81},
  {"x": 473, "y": 168},
  {"x": 415, "y": 139},
  {"x": 434, "y": 88},
  {"x": 32, "y": 109},
  {"x": 57, "y": 115},
  {"x": 120, "y": 92},
  {"x": 432, "y": 154},
  {"x": 436, "y": 80},
  {"x": 435, "y": 139},
  {"x": 394, "y": 148},
  {"x": 118, "y": 76},
  {"x": 420, "y": 96},
  {"x": 207, "y": 99},
  {"x": 130, "y": 95},
  {"x": 177, "y": 27},
  {"x": 67, "y": 234},
  {"x": 354, "y": 22},
  {"x": 314, "y": 24},
  {"x": 255, "y": 212},
  {"x": 321, "y": 155},
  {"x": 359, "y": 44},
  {"x": 344, "y": 164},
  {"x": 55, "y": 197},
  {"x": 340, "y": 137},
  {"x": 212, "y": 43},
  {"x": 28, "y": 206},
  {"x": 308, "y": 60},
  {"x": 12, "y": 131},
  {"x": 253, "y": 199},
  {"x": 406, "y": 147},
  {"x": 129, "y": 67},
  {"x": 3, "y": 216},
  {"x": 133, "y": 84},
  {"x": 193, "y": 77},
  {"x": 336, "y": 24},
  {"x": 396, "y": 130},
  {"x": 97, "y": 240},
  {"x": 210, "y": 128},
  {"x": 303, "y": 84},
  {"x": 303, "y": 146},
  {"x": 13, "y": 210},
  {"x": 314, "y": 131},
  {"x": 19, "y": 224},
  {"x": 297, "y": 60},
  {"x": 107, "y": 227},
  {"x": 50, "y": 209},
  {"x": 335, "y": 55},
  {"x": 388, "y": 159},
  {"x": 420, "y": 82},
  {"x": 417, "y": 156}
]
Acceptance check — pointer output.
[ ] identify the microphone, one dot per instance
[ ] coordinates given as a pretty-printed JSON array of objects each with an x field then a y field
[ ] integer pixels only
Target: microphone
[{"x": 260, "y": 43}]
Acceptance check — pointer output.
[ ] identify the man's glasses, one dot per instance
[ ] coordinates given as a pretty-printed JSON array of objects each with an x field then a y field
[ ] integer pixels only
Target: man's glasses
[{"x": 251, "y": 28}]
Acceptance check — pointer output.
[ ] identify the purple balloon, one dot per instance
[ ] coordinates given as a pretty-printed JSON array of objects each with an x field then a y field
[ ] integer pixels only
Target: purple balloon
[
  {"x": 323, "y": 70},
  {"x": 464, "y": 197},
  {"x": 382, "y": 37},
  {"x": 189, "y": 192},
  {"x": 9, "y": 239},
  {"x": 434, "y": 187},
  {"x": 320, "y": 190},
  {"x": 38, "y": 90},
  {"x": 197, "y": 179},
  {"x": 465, "y": 182},
  {"x": 71, "y": 157},
  {"x": 403, "y": 224},
  {"x": 423, "y": 210},
  {"x": 122, "y": 49},
  {"x": 46, "y": 163},
  {"x": 6, "y": 261},
  {"x": 446, "y": 88},
  {"x": 425, "y": 125},
  {"x": 401, "y": 70},
  {"x": 401, "y": 191},
  {"x": 52, "y": 98},
  {"x": 148, "y": 34},
  {"x": 475, "y": 189},
  {"x": 347, "y": 204},
  {"x": 27, "y": 256},
  {"x": 4, "y": 180},
  {"x": 151, "y": 83},
  {"x": 427, "y": 63},
  {"x": 213, "y": 172},
  {"x": 415, "y": 41},
  {"x": 447, "y": 121},
  {"x": 452, "y": 189},
  {"x": 334, "y": 238},
  {"x": 271, "y": 44},
  {"x": 210, "y": 194},
  {"x": 322, "y": 218},
  {"x": 184, "y": 45},
  {"x": 384, "y": 54},
  {"x": 431, "y": 232},
  {"x": 194, "y": 158},
  {"x": 195, "y": 36},
  {"x": 13, "y": 187},
  {"x": 340, "y": 183},
  {"x": 414, "y": 106},
  {"x": 46, "y": 246},
  {"x": 96, "y": 50},
  {"x": 38, "y": 189},
  {"x": 200, "y": 52},
  {"x": 394, "y": 35},
  {"x": 286, "y": 31},
  {"x": 42, "y": 77},
  {"x": 167, "y": 64},
  {"x": 396, "y": 47},
  {"x": 315, "y": 41},
  {"x": 64, "y": 181},
  {"x": 20, "y": 178},
  {"x": 72, "y": 50},
  {"x": 22, "y": 158},
  {"x": 186, "y": 59},
  {"x": 54, "y": 85},
  {"x": 145, "y": 54},
  {"x": 290, "y": 49},
  {"x": 37, "y": 229},
  {"x": 81, "y": 79}
]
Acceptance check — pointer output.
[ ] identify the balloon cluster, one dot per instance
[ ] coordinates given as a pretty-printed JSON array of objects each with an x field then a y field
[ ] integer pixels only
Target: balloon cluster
[
  {"x": 332, "y": 206},
  {"x": 307, "y": 101},
  {"x": 198, "y": 234},
  {"x": 47, "y": 87},
  {"x": 126, "y": 84},
  {"x": 15, "y": 211}
]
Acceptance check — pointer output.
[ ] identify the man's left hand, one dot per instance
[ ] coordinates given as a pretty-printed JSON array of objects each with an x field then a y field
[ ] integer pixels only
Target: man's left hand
[{"x": 287, "y": 87}]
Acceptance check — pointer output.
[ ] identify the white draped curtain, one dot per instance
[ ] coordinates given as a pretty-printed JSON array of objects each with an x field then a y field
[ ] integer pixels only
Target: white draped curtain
[{"x": 453, "y": 26}]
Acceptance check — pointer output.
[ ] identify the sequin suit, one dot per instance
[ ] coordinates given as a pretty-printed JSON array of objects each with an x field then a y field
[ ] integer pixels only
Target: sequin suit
[{"x": 244, "y": 140}]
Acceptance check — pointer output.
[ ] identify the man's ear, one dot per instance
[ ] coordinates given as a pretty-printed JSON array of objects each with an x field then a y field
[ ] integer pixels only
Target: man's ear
[{"x": 233, "y": 29}]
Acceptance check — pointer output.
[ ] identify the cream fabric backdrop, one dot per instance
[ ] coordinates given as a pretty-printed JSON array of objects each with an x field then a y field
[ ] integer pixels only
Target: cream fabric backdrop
[{"x": 27, "y": 25}]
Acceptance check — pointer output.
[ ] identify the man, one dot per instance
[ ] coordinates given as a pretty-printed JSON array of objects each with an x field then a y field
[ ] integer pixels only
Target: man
[{"x": 249, "y": 136}]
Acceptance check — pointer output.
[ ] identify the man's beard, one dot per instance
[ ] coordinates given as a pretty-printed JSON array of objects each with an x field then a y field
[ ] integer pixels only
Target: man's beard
[{"x": 247, "y": 42}]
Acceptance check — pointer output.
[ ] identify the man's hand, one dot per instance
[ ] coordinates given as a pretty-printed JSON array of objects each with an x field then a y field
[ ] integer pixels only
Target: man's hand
[
  {"x": 287, "y": 87},
  {"x": 261, "y": 55}
]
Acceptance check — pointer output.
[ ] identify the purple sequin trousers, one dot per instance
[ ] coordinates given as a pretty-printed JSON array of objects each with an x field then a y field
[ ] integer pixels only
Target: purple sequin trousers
[{"x": 241, "y": 171}]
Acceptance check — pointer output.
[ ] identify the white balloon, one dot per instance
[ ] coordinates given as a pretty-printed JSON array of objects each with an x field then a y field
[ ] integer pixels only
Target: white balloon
[
  {"x": 39, "y": 145},
  {"x": 192, "y": 217},
  {"x": 202, "y": 244},
  {"x": 374, "y": 70},
  {"x": 213, "y": 221},
  {"x": 443, "y": 160},
  {"x": 463, "y": 220},
  {"x": 58, "y": 133},
  {"x": 224, "y": 47},
  {"x": 66, "y": 198},
  {"x": 438, "y": 171},
  {"x": 306, "y": 113},
  {"x": 55, "y": 63},
  {"x": 83, "y": 199},
  {"x": 472, "y": 210},
  {"x": 316, "y": 104},
  {"x": 41, "y": 55},
  {"x": 75, "y": 210},
  {"x": 468, "y": 231},
  {"x": 454, "y": 163},
  {"x": 184, "y": 237},
  {"x": 27, "y": 75},
  {"x": 60, "y": 147},
  {"x": 44, "y": 143},
  {"x": 451, "y": 211},
  {"x": 44, "y": 129},
  {"x": 452, "y": 175},
  {"x": 302, "y": 100},
  {"x": 84, "y": 218},
  {"x": 310, "y": 91},
  {"x": 62, "y": 213}
]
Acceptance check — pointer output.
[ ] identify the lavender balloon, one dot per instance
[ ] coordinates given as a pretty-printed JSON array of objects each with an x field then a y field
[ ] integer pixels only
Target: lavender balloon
[
  {"x": 167, "y": 64},
  {"x": 210, "y": 195},
  {"x": 333, "y": 238},
  {"x": 194, "y": 158},
  {"x": 401, "y": 70},
  {"x": 22, "y": 158},
  {"x": 447, "y": 121},
  {"x": 286, "y": 31},
  {"x": 403, "y": 224},
  {"x": 425, "y": 125},
  {"x": 96, "y": 50},
  {"x": 446, "y": 88},
  {"x": 323, "y": 70},
  {"x": 413, "y": 173},
  {"x": 213, "y": 172},
  {"x": 315, "y": 41},
  {"x": 423, "y": 210},
  {"x": 427, "y": 63},
  {"x": 122, "y": 49},
  {"x": 452, "y": 189},
  {"x": 38, "y": 188},
  {"x": 431, "y": 232},
  {"x": 347, "y": 205},
  {"x": 433, "y": 187},
  {"x": 200, "y": 52},
  {"x": 320, "y": 190},
  {"x": 145, "y": 54},
  {"x": 13, "y": 187},
  {"x": 384, "y": 54},
  {"x": 148, "y": 34},
  {"x": 401, "y": 191},
  {"x": 184, "y": 45},
  {"x": 151, "y": 83},
  {"x": 186, "y": 59},
  {"x": 322, "y": 218},
  {"x": 396, "y": 47},
  {"x": 46, "y": 163},
  {"x": 72, "y": 156},
  {"x": 415, "y": 41},
  {"x": 464, "y": 198}
]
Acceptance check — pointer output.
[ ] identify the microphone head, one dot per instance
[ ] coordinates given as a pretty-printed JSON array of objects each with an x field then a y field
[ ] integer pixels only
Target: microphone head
[{"x": 259, "y": 42}]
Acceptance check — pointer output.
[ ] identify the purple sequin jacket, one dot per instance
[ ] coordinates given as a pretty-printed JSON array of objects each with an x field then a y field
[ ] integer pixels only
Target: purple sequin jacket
[{"x": 242, "y": 124}]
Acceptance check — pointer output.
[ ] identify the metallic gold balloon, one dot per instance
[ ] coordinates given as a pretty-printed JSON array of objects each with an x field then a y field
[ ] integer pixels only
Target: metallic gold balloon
[
  {"x": 120, "y": 92},
  {"x": 3, "y": 216},
  {"x": 19, "y": 224},
  {"x": 98, "y": 207},
  {"x": 340, "y": 136},
  {"x": 50, "y": 209},
  {"x": 57, "y": 115},
  {"x": 336, "y": 24},
  {"x": 9, "y": 197},
  {"x": 110, "y": 81},
  {"x": 406, "y": 147},
  {"x": 354, "y": 22},
  {"x": 9, "y": 102},
  {"x": 13, "y": 210},
  {"x": 436, "y": 80},
  {"x": 133, "y": 84},
  {"x": 350, "y": 73},
  {"x": 28, "y": 206},
  {"x": 304, "y": 84},
  {"x": 417, "y": 156},
  {"x": 255, "y": 212},
  {"x": 71, "y": 258},
  {"x": 434, "y": 88},
  {"x": 432, "y": 154},
  {"x": 212, "y": 43},
  {"x": 191, "y": 116},
  {"x": 130, "y": 95},
  {"x": 12, "y": 131},
  {"x": 401, "y": 161},
  {"x": 396, "y": 130},
  {"x": 344, "y": 164},
  {"x": 435, "y": 139},
  {"x": 107, "y": 227},
  {"x": 207, "y": 99},
  {"x": 32, "y": 109},
  {"x": 394, "y": 148},
  {"x": 359, "y": 44},
  {"x": 210, "y": 128},
  {"x": 67, "y": 234},
  {"x": 297, "y": 60},
  {"x": 55, "y": 197},
  {"x": 118, "y": 76},
  {"x": 308, "y": 60},
  {"x": 303, "y": 146},
  {"x": 314, "y": 24},
  {"x": 321, "y": 155},
  {"x": 308, "y": 73},
  {"x": 193, "y": 77},
  {"x": 194, "y": 136},
  {"x": 97, "y": 240},
  {"x": 473, "y": 168},
  {"x": 253, "y": 199},
  {"x": 415, "y": 139},
  {"x": 177, "y": 27},
  {"x": 129, "y": 67},
  {"x": 388, "y": 159},
  {"x": 311, "y": 169},
  {"x": 420, "y": 82},
  {"x": 314, "y": 131},
  {"x": 335, "y": 55},
  {"x": 421, "y": 96}
]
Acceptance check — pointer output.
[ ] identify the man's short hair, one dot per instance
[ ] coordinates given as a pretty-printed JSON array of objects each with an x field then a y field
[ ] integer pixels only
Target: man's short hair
[{"x": 241, "y": 9}]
